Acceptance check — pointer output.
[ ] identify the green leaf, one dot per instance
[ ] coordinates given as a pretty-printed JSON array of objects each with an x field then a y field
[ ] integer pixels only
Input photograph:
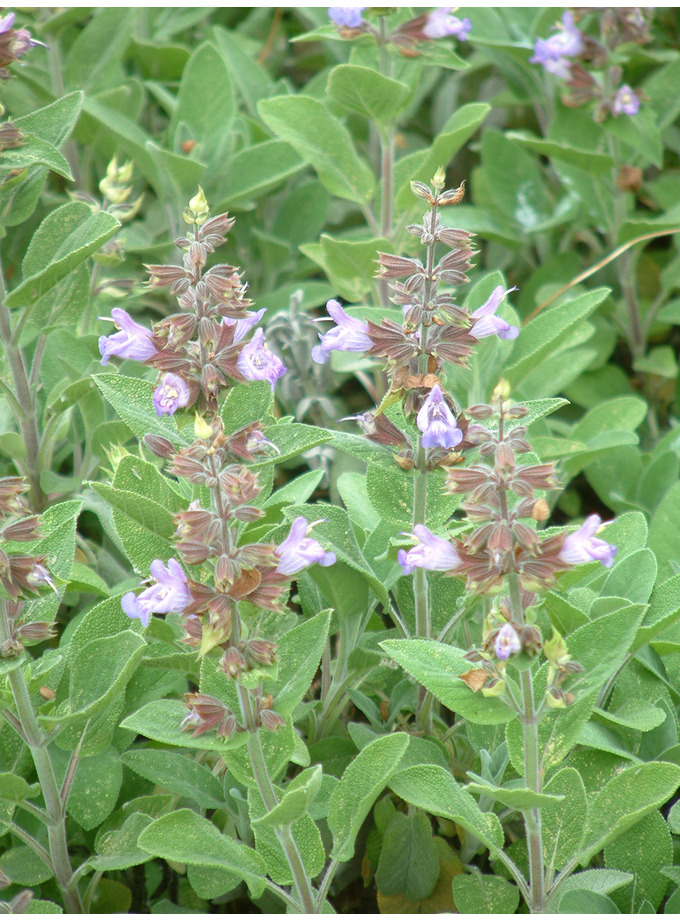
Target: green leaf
[
  {"x": 625, "y": 800},
  {"x": 519, "y": 798},
  {"x": 256, "y": 170},
  {"x": 638, "y": 715},
  {"x": 146, "y": 512},
  {"x": 433, "y": 789},
  {"x": 664, "y": 532},
  {"x": 586, "y": 902},
  {"x": 252, "y": 81},
  {"x": 299, "y": 793},
  {"x": 14, "y": 788},
  {"x": 588, "y": 160},
  {"x": 64, "y": 239},
  {"x": 178, "y": 774},
  {"x": 643, "y": 850},
  {"x": 186, "y": 837},
  {"x": 598, "y": 881},
  {"x": 292, "y": 439},
  {"x": 36, "y": 152},
  {"x": 321, "y": 140},
  {"x": 602, "y": 645},
  {"x": 563, "y": 823},
  {"x": 542, "y": 335},
  {"x": 515, "y": 182},
  {"x": 360, "y": 785},
  {"x": 298, "y": 652},
  {"x": 206, "y": 114},
  {"x": 633, "y": 577},
  {"x": 117, "y": 849},
  {"x": 409, "y": 862},
  {"x": 364, "y": 90},
  {"x": 132, "y": 399},
  {"x": 641, "y": 133},
  {"x": 95, "y": 788},
  {"x": 423, "y": 164},
  {"x": 349, "y": 264},
  {"x": 484, "y": 894},
  {"x": 54, "y": 122},
  {"x": 160, "y": 720},
  {"x": 438, "y": 668},
  {"x": 93, "y": 58}
]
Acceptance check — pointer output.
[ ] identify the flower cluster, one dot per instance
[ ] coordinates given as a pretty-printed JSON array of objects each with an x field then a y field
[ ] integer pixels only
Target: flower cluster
[
  {"x": 203, "y": 348},
  {"x": 564, "y": 53},
  {"x": 428, "y": 27}
]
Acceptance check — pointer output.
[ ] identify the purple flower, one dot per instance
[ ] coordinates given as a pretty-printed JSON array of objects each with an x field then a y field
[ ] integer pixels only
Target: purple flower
[
  {"x": 170, "y": 594},
  {"x": 243, "y": 326},
  {"x": 298, "y": 550},
  {"x": 7, "y": 22},
  {"x": 440, "y": 24},
  {"x": 431, "y": 553},
  {"x": 347, "y": 16},
  {"x": 552, "y": 53},
  {"x": 133, "y": 341},
  {"x": 584, "y": 546},
  {"x": 349, "y": 334},
  {"x": 626, "y": 101},
  {"x": 256, "y": 362},
  {"x": 171, "y": 395},
  {"x": 437, "y": 423},
  {"x": 487, "y": 323},
  {"x": 507, "y": 642}
]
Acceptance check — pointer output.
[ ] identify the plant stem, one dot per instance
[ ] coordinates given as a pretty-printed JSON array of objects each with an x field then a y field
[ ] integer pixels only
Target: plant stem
[
  {"x": 258, "y": 761},
  {"x": 56, "y": 825}
]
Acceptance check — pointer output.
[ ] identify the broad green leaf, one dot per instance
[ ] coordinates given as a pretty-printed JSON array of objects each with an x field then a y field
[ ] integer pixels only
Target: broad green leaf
[
  {"x": 178, "y": 774},
  {"x": 581, "y": 902},
  {"x": 625, "y": 800},
  {"x": 360, "y": 785},
  {"x": 542, "y": 335},
  {"x": 519, "y": 798},
  {"x": 140, "y": 510},
  {"x": 433, "y": 789},
  {"x": 64, "y": 239},
  {"x": 298, "y": 652},
  {"x": 36, "y": 152},
  {"x": 349, "y": 264},
  {"x": 641, "y": 133},
  {"x": 132, "y": 399},
  {"x": 298, "y": 794},
  {"x": 278, "y": 748},
  {"x": 563, "y": 823},
  {"x": 292, "y": 439},
  {"x": 321, "y": 140},
  {"x": 94, "y": 56},
  {"x": 160, "y": 720},
  {"x": 484, "y": 894},
  {"x": 409, "y": 862},
  {"x": 391, "y": 494},
  {"x": 633, "y": 577},
  {"x": 55, "y": 121},
  {"x": 642, "y": 850},
  {"x": 255, "y": 170},
  {"x": 14, "y": 788},
  {"x": 186, "y": 837},
  {"x": 438, "y": 668},
  {"x": 251, "y": 80},
  {"x": 247, "y": 404},
  {"x": 638, "y": 715},
  {"x": 95, "y": 788},
  {"x": 117, "y": 849},
  {"x": 602, "y": 645},
  {"x": 588, "y": 160},
  {"x": 205, "y": 104},
  {"x": 664, "y": 532},
  {"x": 599, "y": 881},
  {"x": 514, "y": 181},
  {"x": 364, "y": 90}
]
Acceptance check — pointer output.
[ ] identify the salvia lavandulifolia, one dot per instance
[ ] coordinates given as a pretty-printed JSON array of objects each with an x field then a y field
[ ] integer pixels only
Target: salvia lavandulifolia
[{"x": 200, "y": 352}]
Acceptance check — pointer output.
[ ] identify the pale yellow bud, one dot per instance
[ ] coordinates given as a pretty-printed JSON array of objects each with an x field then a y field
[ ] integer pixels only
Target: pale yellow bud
[
  {"x": 494, "y": 689},
  {"x": 202, "y": 429},
  {"x": 501, "y": 391},
  {"x": 439, "y": 179},
  {"x": 198, "y": 211}
]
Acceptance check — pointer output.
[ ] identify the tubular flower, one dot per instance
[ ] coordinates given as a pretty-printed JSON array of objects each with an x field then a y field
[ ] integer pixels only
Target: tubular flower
[
  {"x": 583, "y": 546},
  {"x": 169, "y": 595},
  {"x": 487, "y": 323},
  {"x": 133, "y": 341},
  {"x": 552, "y": 53},
  {"x": 437, "y": 423},
  {"x": 243, "y": 326},
  {"x": 440, "y": 24},
  {"x": 431, "y": 553},
  {"x": 256, "y": 362},
  {"x": 349, "y": 334},
  {"x": 171, "y": 395},
  {"x": 507, "y": 642},
  {"x": 298, "y": 550},
  {"x": 626, "y": 101},
  {"x": 347, "y": 16}
]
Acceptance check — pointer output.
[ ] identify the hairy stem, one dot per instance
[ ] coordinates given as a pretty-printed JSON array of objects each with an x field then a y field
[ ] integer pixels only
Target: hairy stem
[{"x": 306, "y": 895}]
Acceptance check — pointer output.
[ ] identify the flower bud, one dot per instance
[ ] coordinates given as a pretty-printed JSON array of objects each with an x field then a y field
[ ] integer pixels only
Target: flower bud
[
  {"x": 541, "y": 510},
  {"x": 420, "y": 190},
  {"x": 159, "y": 446},
  {"x": 555, "y": 650},
  {"x": 271, "y": 720},
  {"x": 439, "y": 179},
  {"x": 198, "y": 211},
  {"x": 494, "y": 688},
  {"x": 202, "y": 429}
]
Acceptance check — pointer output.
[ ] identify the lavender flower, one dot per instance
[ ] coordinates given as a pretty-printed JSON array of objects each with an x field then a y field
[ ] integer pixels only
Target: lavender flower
[
  {"x": 440, "y": 24},
  {"x": 133, "y": 341},
  {"x": 507, "y": 642},
  {"x": 7, "y": 22},
  {"x": 552, "y": 53},
  {"x": 584, "y": 546},
  {"x": 431, "y": 553},
  {"x": 349, "y": 334},
  {"x": 169, "y": 595},
  {"x": 437, "y": 423},
  {"x": 171, "y": 395},
  {"x": 298, "y": 550},
  {"x": 626, "y": 101},
  {"x": 487, "y": 323},
  {"x": 256, "y": 362},
  {"x": 14, "y": 42},
  {"x": 243, "y": 326},
  {"x": 347, "y": 16}
]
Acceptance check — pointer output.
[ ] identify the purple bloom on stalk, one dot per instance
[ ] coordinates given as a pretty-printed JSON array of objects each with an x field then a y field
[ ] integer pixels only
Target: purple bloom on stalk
[
  {"x": 507, "y": 642},
  {"x": 133, "y": 341},
  {"x": 243, "y": 326},
  {"x": 431, "y": 553},
  {"x": 584, "y": 546},
  {"x": 347, "y": 16},
  {"x": 440, "y": 24},
  {"x": 298, "y": 550},
  {"x": 626, "y": 102},
  {"x": 437, "y": 423},
  {"x": 169, "y": 595},
  {"x": 256, "y": 362},
  {"x": 7, "y": 22},
  {"x": 349, "y": 334},
  {"x": 552, "y": 53},
  {"x": 487, "y": 323},
  {"x": 172, "y": 394}
]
